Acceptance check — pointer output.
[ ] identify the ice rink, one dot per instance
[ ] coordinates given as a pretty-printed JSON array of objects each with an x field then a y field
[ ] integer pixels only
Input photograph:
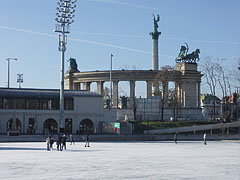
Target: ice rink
[{"x": 218, "y": 160}]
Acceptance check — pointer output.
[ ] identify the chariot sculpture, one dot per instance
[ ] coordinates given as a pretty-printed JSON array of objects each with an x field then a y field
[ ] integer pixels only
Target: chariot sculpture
[{"x": 187, "y": 58}]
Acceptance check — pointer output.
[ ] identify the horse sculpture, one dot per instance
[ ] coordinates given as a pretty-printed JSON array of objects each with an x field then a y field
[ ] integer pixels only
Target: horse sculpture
[{"x": 187, "y": 58}]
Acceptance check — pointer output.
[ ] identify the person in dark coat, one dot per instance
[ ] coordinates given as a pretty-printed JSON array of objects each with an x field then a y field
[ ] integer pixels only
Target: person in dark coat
[
  {"x": 64, "y": 144},
  {"x": 58, "y": 144},
  {"x": 51, "y": 142},
  {"x": 60, "y": 141},
  {"x": 87, "y": 141}
]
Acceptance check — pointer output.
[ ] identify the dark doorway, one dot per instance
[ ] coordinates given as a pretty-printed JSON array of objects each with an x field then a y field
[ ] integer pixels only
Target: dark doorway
[
  {"x": 50, "y": 126},
  {"x": 68, "y": 126},
  {"x": 31, "y": 126},
  {"x": 86, "y": 127}
]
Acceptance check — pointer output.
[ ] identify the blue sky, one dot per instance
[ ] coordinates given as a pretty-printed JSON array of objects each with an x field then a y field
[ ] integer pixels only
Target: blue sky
[{"x": 120, "y": 27}]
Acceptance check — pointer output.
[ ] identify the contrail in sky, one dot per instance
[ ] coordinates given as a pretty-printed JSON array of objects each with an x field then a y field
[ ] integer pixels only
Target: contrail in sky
[
  {"x": 124, "y": 4},
  {"x": 144, "y": 37},
  {"x": 81, "y": 40}
]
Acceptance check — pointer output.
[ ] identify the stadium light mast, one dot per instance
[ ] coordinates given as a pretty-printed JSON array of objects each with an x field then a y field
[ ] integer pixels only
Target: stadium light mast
[
  {"x": 19, "y": 79},
  {"x": 65, "y": 15},
  {"x": 8, "y": 59}
]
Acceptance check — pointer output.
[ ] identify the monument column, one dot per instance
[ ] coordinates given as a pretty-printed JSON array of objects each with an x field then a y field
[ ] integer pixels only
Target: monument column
[
  {"x": 100, "y": 87},
  {"x": 132, "y": 92},
  {"x": 155, "y": 35},
  {"x": 115, "y": 94}
]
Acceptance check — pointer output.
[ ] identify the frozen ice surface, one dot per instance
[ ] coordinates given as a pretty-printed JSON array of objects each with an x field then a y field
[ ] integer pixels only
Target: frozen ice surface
[{"x": 218, "y": 160}]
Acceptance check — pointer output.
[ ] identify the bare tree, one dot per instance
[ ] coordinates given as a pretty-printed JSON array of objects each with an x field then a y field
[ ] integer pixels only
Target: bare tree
[
  {"x": 210, "y": 74},
  {"x": 164, "y": 75},
  {"x": 216, "y": 76}
]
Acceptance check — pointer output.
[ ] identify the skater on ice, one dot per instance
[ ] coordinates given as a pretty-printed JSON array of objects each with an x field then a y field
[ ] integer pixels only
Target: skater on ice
[
  {"x": 175, "y": 138},
  {"x": 51, "y": 142},
  {"x": 205, "y": 138},
  {"x": 48, "y": 143},
  {"x": 71, "y": 139},
  {"x": 64, "y": 140},
  {"x": 87, "y": 141}
]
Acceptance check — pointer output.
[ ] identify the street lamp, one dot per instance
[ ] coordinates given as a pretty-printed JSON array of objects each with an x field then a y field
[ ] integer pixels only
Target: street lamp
[
  {"x": 8, "y": 59},
  {"x": 19, "y": 79},
  {"x": 65, "y": 15},
  {"x": 110, "y": 106}
]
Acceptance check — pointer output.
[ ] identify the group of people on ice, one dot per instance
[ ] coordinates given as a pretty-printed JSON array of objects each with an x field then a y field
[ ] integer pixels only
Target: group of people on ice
[
  {"x": 204, "y": 138},
  {"x": 61, "y": 142}
]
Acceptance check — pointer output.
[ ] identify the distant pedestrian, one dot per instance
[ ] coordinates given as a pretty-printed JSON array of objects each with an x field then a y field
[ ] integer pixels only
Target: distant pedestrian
[
  {"x": 48, "y": 143},
  {"x": 87, "y": 141},
  {"x": 51, "y": 142},
  {"x": 64, "y": 140},
  {"x": 175, "y": 138},
  {"x": 205, "y": 138},
  {"x": 71, "y": 139},
  {"x": 60, "y": 141},
  {"x": 58, "y": 144}
]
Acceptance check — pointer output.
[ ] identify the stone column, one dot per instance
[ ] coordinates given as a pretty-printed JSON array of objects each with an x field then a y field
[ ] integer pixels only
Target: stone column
[
  {"x": 155, "y": 88},
  {"x": 100, "y": 87},
  {"x": 165, "y": 91},
  {"x": 149, "y": 89},
  {"x": 155, "y": 54},
  {"x": 87, "y": 86},
  {"x": 199, "y": 95},
  {"x": 115, "y": 94},
  {"x": 69, "y": 82},
  {"x": 179, "y": 93},
  {"x": 132, "y": 92},
  {"x": 77, "y": 86}
]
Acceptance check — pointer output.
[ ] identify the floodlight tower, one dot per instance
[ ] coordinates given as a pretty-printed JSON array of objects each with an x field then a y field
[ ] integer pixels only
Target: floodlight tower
[
  {"x": 65, "y": 15},
  {"x": 8, "y": 59},
  {"x": 19, "y": 79}
]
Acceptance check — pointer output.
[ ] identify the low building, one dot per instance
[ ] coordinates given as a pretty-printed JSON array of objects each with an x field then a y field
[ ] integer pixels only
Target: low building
[
  {"x": 208, "y": 107},
  {"x": 36, "y": 111}
]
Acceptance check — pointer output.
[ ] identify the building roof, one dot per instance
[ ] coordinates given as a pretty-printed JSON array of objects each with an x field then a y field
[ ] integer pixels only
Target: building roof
[{"x": 43, "y": 93}]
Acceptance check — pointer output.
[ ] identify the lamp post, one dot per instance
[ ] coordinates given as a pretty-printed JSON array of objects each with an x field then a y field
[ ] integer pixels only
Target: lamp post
[
  {"x": 8, "y": 59},
  {"x": 110, "y": 106},
  {"x": 65, "y": 15},
  {"x": 19, "y": 79}
]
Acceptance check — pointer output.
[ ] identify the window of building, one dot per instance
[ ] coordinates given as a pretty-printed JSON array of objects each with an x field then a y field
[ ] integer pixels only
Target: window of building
[
  {"x": 19, "y": 104},
  {"x": 68, "y": 126},
  {"x": 1, "y": 103},
  {"x": 55, "y": 104},
  {"x": 68, "y": 104},
  {"x": 8, "y": 104},
  {"x": 32, "y": 104},
  {"x": 44, "y": 104}
]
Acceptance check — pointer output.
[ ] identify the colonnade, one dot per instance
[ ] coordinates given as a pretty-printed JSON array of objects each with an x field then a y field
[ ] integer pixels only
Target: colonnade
[{"x": 188, "y": 92}]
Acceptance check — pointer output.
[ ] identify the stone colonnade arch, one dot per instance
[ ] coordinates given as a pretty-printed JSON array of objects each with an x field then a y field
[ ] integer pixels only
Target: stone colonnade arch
[{"x": 186, "y": 77}]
